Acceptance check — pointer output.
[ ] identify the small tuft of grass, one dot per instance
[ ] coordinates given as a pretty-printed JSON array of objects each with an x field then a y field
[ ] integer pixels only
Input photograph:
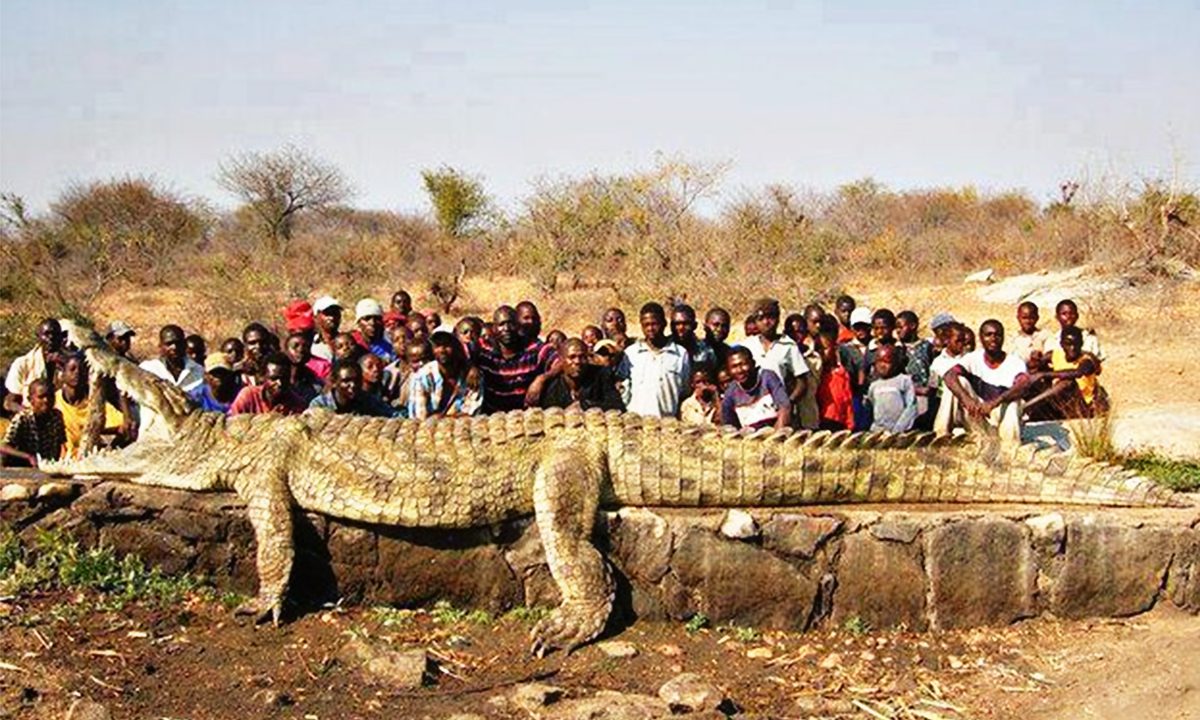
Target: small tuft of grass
[
  {"x": 444, "y": 613},
  {"x": 1179, "y": 475},
  {"x": 744, "y": 634},
  {"x": 696, "y": 623},
  {"x": 527, "y": 614},
  {"x": 390, "y": 617},
  {"x": 855, "y": 625}
]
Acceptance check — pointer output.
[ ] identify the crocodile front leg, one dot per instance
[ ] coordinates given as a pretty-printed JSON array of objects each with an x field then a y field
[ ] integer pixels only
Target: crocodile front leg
[
  {"x": 269, "y": 507},
  {"x": 566, "y": 496}
]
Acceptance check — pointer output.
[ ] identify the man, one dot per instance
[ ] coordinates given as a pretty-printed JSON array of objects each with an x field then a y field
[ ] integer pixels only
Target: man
[
  {"x": 120, "y": 339},
  {"x": 256, "y": 339},
  {"x": 529, "y": 320},
  {"x": 345, "y": 395},
  {"x": 174, "y": 366},
  {"x": 581, "y": 384},
  {"x": 274, "y": 394},
  {"x": 779, "y": 354},
  {"x": 717, "y": 324},
  {"x": 72, "y": 401},
  {"x": 511, "y": 364},
  {"x": 220, "y": 386},
  {"x": 40, "y": 363},
  {"x": 683, "y": 334},
  {"x": 368, "y": 315},
  {"x": 656, "y": 371},
  {"x": 986, "y": 386},
  {"x": 36, "y": 431},
  {"x": 756, "y": 398},
  {"x": 327, "y": 318}
]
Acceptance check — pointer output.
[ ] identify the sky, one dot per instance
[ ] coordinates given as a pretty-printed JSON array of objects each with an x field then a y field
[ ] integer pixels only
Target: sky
[{"x": 1013, "y": 95}]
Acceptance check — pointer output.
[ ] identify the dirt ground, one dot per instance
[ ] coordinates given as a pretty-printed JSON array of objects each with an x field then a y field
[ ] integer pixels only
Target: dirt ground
[{"x": 194, "y": 661}]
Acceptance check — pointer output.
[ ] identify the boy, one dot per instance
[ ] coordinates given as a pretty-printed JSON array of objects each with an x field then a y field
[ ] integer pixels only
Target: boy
[
  {"x": 1074, "y": 391},
  {"x": 919, "y": 354},
  {"x": 835, "y": 399},
  {"x": 220, "y": 386},
  {"x": 703, "y": 406},
  {"x": 892, "y": 398},
  {"x": 1067, "y": 314},
  {"x": 756, "y": 398},
  {"x": 72, "y": 400},
  {"x": 852, "y": 356},
  {"x": 1031, "y": 342},
  {"x": 36, "y": 431}
]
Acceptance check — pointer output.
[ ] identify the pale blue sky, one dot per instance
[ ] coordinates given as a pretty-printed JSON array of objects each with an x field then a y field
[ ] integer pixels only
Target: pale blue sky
[{"x": 1016, "y": 95}]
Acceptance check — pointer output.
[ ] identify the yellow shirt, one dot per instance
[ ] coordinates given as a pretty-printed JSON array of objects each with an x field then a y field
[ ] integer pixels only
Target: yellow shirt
[
  {"x": 75, "y": 419},
  {"x": 1087, "y": 383}
]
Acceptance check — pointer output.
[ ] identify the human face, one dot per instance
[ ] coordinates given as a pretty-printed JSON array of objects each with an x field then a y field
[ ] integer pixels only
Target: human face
[
  {"x": 556, "y": 338},
  {"x": 907, "y": 329},
  {"x": 683, "y": 325},
  {"x": 417, "y": 328},
  {"x": 50, "y": 336},
  {"x": 433, "y": 321},
  {"x": 196, "y": 349},
  {"x": 991, "y": 337},
  {"x": 120, "y": 343},
  {"x": 1067, "y": 315},
  {"x": 276, "y": 380},
  {"x": 256, "y": 344},
  {"x": 444, "y": 354},
  {"x": 653, "y": 326},
  {"x": 1072, "y": 348},
  {"x": 723, "y": 379},
  {"x": 741, "y": 368},
  {"x": 795, "y": 328},
  {"x": 299, "y": 349},
  {"x": 862, "y": 333},
  {"x": 465, "y": 330},
  {"x": 1027, "y": 318},
  {"x": 717, "y": 324},
  {"x": 343, "y": 347},
  {"x": 590, "y": 336},
  {"x": 40, "y": 399},
  {"x": 885, "y": 361},
  {"x": 346, "y": 386},
  {"x": 232, "y": 351},
  {"x": 74, "y": 373},
  {"x": 506, "y": 328},
  {"x": 529, "y": 321},
  {"x": 812, "y": 322},
  {"x": 613, "y": 322},
  {"x": 968, "y": 340},
  {"x": 767, "y": 324},
  {"x": 171, "y": 347},
  {"x": 372, "y": 370},
  {"x": 829, "y": 349},
  {"x": 881, "y": 328},
  {"x": 329, "y": 320},
  {"x": 575, "y": 357},
  {"x": 417, "y": 356},
  {"x": 843, "y": 310},
  {"x": 400, "y": 338},
  {"x": 955, "y": 342},
  {"x": 371, "y": 327},
  {"x": 402, "y": 302}
]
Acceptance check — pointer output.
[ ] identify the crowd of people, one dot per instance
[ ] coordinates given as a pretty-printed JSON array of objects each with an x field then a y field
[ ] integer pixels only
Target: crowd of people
[{"x": 849, "y": 369}]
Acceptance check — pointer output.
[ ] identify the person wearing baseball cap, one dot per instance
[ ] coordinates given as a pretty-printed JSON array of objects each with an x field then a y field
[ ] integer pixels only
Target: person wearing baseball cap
[
  {"x": 327, "y": 319},
  {"x": 220, "y": 385},
  {"x": 368, "y": 316},
  {"x": 120, "y": 338}
]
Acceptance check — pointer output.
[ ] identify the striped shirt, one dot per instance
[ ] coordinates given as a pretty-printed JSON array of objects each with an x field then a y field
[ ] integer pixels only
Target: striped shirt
[
  {"x": 505, "y": 380},
  {"x": 41, "y": 435}
]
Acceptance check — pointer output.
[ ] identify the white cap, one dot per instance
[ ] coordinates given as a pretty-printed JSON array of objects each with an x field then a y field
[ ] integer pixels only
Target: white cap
[
  {"x": 860, "y": 315},
  {"x": 325, "y": 302},
  {"x": 119, "y": 328},
  {"x": 367, "y": 307}
]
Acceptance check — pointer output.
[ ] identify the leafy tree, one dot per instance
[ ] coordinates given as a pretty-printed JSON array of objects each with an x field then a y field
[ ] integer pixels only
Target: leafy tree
[
  {"x": 460, "y": 204},
  {"x": 276, "y": 186}
]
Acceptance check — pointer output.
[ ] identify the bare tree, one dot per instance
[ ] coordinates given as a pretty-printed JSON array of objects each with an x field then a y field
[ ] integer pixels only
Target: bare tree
[{"x": 278, "y": 185}]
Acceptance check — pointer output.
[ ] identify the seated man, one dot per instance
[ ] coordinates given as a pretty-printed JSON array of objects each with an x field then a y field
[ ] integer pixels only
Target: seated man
[
  {"x": 1074, "y": 390},
  {"x": 703, "y": 406},
  {"x": 995, "y": 382},
  {"x": 36, "y": 431},
  {"x": 273, "y": 394},
  {"x": 220, "y": 386},
  {"x": 346, "y": 396},
  {"x": 581, "y": 384},
  {"x": 756, "y": 398}
]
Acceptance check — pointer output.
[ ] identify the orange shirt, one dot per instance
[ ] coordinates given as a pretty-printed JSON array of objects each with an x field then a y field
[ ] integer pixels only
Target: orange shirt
[{"x": 834, "y": 397}]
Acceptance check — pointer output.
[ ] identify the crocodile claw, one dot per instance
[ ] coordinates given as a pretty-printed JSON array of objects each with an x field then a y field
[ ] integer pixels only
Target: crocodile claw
[
  {"x": 262, "y": 609},
  {"x": 565, "y": 628}
]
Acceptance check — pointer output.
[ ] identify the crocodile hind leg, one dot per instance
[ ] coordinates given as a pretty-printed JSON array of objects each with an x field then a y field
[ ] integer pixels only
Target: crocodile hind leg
[
  {"x": 566, "y": 496},
  {"x": 269, "y": 507}
]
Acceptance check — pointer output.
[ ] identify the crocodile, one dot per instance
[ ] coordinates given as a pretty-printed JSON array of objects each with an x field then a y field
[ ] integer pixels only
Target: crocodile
[{"x": 561, "y": 467}]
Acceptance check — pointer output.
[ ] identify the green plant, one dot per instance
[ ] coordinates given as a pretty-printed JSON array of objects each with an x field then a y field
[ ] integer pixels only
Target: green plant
[
  {"x": 1179, "y": 475},
  {"x": 745, "y": 634},
  {"x": 527, "y": 614},
  {"x": 855, "y": 625},
  {"x": 460, "y": 204},
  {"x": 696, "y": 623},
  {"x": 1093, "y": 437},
  {"x": 392, "y": 617}
]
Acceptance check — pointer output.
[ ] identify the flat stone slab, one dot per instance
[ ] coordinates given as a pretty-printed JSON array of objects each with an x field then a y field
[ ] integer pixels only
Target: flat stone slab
[{"x": 914, "y": 566}]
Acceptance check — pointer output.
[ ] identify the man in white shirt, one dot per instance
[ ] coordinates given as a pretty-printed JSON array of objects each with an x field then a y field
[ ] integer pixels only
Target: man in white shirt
[
  {"x": 39, "y": 363},
  {"x": 780, "y": 354},
  {"x": 656, "y": 371},
  {"x": 174, "y": 366},
  {"x": 986, "y": 385}
]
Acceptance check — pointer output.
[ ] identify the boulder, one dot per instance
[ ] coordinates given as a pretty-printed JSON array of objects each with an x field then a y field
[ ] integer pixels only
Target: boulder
[
  {"x": 688, "y": 692},
  {"x": 398, "y": 669},
  {"x": 1110, "y": 570},
  {"x": 617, "y": 648},
  {"x": 981, "y": 572},
  {"x": 739, "y": 525},
  {"x": 1183, "y": 585},
  {"x": 736, "y": 582},
  {"x": 882, "y": 583},
  {"x": 412, "y": 573},
  {"x": 15, "y": 492},
  {"x": 896, "y": 530},
  {"x": 799, "y": 535},
  {"x": 157, "y": 548},
  {"x": 641, "y": 543}
]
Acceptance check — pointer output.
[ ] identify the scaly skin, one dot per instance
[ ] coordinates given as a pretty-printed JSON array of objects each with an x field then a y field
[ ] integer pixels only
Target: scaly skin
[{"x": 559, "y": 466}]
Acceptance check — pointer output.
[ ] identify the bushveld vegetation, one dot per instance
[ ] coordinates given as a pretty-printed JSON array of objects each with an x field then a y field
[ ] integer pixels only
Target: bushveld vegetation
[{"x": 666, "y": 232}]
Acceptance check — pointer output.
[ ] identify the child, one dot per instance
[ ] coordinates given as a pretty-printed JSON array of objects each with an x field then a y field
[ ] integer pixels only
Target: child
[
  {"x": 1067, "y": 314},
  {"x": 35, "y": 432},
  {"x": 892, "y": 397},
  {"x": 702, "y": 407},
  {"x": 1030, "y": 343},
  {"x": 755, "y": 398},
  {"x": 919, "y": 354},
  {"x": 234, "y": 352},
  {"x": 1074, "y": 389},
  {"x": 955, "y": 335},
  {"x": 835, "y": 399},
  {"x": 852, "y": 356}
]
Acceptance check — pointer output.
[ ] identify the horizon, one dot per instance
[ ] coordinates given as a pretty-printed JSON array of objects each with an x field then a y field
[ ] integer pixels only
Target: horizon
[{"x": 932, "y": 95}]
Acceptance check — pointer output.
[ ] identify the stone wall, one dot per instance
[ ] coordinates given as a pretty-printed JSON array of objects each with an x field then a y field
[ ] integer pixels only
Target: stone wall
[{"x": 796, "y": 568}]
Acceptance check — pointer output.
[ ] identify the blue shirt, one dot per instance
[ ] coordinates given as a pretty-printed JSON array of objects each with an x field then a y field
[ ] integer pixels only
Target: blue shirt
[{"x": 203, "y": 397}]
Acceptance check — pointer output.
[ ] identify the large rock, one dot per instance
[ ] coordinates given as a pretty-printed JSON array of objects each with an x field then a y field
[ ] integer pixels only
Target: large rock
[
  {"x": 799, "y": 535},
  {"x": 688, "y": 692},
  {"x": 1183, "y": 585},
  {"x": 981, "y": 572},
  {"x": 398, "y": 669},
  {"x": 882, "y": 583},
  {"x": 412, "y": 573},
  {"x": 159, "y": 549},
  {"x": 1110, "y": 570},
  {"x": 609, "y": 705},
  {"x": 641, "y": 543},
  {"x": 735, "y": 582}
]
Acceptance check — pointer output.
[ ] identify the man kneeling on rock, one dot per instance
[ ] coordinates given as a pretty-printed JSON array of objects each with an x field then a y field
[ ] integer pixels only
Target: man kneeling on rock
[{"x": 986, "y": 386}]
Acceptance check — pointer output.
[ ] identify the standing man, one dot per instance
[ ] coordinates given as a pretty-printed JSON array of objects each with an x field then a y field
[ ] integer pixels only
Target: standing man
[
  {"x": 174, "y": 366},
  {"x": 368, "y": 315},
  {"x": 717, "y": 323},
  {"x": 657, "y": 371},
  {"x": 327, "y": 317},
  {"x": 40, "y": 363},
  {"x": 779, "y": 353},
  {"x": 581, "y": 384},
  {"x": 683, "y": 334},
  {"x": 511, "y": 364}
]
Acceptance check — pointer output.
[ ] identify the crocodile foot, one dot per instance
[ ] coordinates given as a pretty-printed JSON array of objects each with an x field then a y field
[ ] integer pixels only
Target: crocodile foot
[
  {"x": 262, "y": 609},
  {"x": 567, "y": 627}
]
